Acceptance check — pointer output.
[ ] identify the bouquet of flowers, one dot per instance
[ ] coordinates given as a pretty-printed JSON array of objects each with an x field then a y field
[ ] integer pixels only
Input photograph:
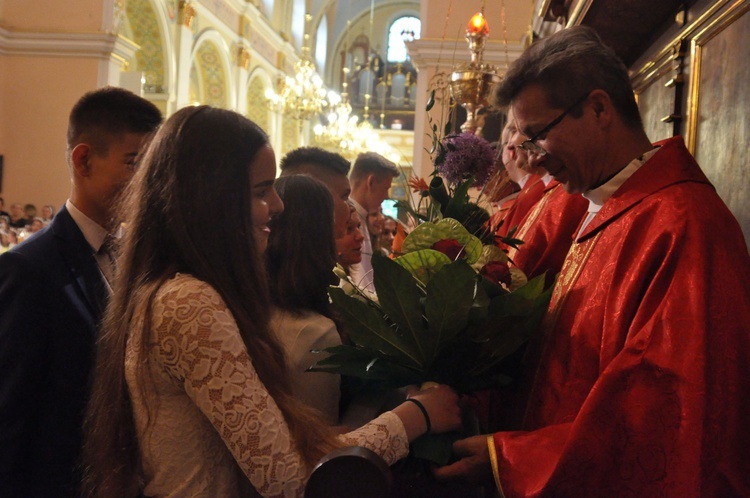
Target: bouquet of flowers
[
  {"x": 449, "y": 310},
  {"x": 461, "y": 162},
  {"x": 448, "y": 307}
]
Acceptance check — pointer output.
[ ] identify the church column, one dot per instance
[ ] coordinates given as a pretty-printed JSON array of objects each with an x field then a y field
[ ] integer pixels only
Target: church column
[
  {"x": 242, "y": 73},
  {"x": 183, "y": 50}
]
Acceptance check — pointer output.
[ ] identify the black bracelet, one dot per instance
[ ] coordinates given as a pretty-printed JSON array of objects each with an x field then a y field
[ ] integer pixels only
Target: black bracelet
[{"x": 424, "y": 412}]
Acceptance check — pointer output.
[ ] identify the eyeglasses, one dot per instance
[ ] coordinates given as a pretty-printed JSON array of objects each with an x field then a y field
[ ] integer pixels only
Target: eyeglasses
[{"x": 531, "y": 147}]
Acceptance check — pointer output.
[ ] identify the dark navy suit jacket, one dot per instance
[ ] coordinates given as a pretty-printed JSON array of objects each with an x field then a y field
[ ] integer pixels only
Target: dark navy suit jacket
[{"x": 52, "y": 295}]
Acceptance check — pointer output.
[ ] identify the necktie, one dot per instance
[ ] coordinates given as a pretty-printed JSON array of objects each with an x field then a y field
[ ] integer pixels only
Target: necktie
[{"x": 106, "y": 258}]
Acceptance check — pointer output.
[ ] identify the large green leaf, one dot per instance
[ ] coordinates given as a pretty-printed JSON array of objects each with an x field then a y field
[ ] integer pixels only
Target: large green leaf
[
  {"x": 512, "y": 320},
  {"x": 367, "y": 364},
  {"x": 423, "y": 264},
  {"x": 366, "y": 327},
  {"x": 519, "y": 302},
  {"x": 450, "y": 295},
  {"x": 399, "y": 297},
  {"x": 426, "y": 234}
]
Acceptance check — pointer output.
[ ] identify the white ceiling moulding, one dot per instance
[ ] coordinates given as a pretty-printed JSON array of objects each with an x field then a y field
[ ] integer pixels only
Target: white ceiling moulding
[
  {"x": 427, "y": 52},
  {"x": 40, "y": 44}
]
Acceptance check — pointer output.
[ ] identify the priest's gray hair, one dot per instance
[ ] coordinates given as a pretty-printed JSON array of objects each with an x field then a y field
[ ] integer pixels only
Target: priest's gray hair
[{"x": 567, "y": 65}]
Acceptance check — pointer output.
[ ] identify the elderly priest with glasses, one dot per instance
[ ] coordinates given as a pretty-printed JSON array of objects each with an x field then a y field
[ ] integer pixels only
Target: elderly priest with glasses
[{"x": 640, "y": 382}]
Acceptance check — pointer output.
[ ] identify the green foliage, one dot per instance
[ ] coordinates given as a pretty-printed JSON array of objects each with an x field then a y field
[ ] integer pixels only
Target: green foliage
[
  {"x": 368, "y": 329},
  {"x": 424, "y": 263},
  {"x": 448, "y": 330},
  {"x": 426, "y": 234}
]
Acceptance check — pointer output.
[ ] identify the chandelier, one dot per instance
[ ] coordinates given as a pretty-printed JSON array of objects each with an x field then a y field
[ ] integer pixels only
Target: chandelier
[
  {"x": 340, "y": 130},
  {"x": 346, "y": 135},
  {"x": 303, "y": 95}
]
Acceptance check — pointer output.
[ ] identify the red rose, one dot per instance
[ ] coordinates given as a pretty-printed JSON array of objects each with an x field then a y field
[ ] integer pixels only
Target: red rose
[
  {"x": 451, "y": 248},
  {"x": 497, "y": 272}
]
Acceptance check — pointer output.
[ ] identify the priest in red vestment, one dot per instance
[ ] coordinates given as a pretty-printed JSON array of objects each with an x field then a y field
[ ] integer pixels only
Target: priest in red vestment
[
  {"x": 547, "y": 232},
  {"x": 641, "y": 386},
  {"x": 511, "y": 214}
]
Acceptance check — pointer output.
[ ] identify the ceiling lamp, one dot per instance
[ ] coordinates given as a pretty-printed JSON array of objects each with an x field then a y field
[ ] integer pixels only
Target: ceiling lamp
[
  {"x": 303, "y": 95},
  {"x": 472, "y": 84}
]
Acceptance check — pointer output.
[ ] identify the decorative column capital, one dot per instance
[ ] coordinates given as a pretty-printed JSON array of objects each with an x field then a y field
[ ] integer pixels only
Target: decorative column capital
[
  {"x": 187, "y": 13},
  {"x": 243, "y": 57}
]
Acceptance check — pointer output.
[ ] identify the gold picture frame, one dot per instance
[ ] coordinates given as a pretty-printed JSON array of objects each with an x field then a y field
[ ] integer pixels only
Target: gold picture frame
[{"x": 718, "y": 128}]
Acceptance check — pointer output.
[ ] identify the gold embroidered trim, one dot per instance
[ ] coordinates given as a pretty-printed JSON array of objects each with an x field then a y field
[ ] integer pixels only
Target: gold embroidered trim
[
  {"x": 571, "y": 270},
  {"x": 530, "y": 220},
  {"x": 494, "y": 463}
]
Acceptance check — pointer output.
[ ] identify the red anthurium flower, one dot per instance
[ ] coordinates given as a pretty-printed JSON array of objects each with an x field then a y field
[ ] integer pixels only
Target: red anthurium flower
[
  {"x": 450, "y": 247},
  {"x": 497, "y": 272}
]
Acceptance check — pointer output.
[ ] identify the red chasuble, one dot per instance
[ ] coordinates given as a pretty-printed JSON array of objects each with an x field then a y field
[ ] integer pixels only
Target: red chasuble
[
  {"x": 505, "y": 205},
  {"x": 526, "y": 200},
  {"x": 643, "y": 388},
  {"x": 547, "y": 232}
]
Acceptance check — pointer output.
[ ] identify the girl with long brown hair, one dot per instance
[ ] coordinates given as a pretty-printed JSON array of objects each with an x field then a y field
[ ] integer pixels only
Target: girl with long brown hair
[{"x": 191, "y": 394}]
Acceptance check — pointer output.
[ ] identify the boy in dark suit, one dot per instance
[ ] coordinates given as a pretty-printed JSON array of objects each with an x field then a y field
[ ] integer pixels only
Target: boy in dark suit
[{"x": 53, "y": 290}]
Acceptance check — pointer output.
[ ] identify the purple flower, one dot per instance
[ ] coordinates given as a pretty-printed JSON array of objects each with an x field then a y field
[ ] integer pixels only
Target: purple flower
[{"x": 466, "y": 155}]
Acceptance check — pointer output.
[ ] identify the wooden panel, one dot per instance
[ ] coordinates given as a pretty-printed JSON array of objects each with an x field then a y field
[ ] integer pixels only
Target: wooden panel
[
  {"x": 719, "y": 128},
  {"x": 655, "y": 102},
  {"x": 630, "y": 26}
]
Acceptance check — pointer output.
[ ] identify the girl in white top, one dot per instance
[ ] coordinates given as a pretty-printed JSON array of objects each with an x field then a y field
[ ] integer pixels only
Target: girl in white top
[
  {"x": 300, "y": 258},
  {"x": 191, "y": 393}
]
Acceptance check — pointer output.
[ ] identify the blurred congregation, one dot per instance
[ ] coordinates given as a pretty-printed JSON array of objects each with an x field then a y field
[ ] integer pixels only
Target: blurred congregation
[{"x": 185, "y": 239}]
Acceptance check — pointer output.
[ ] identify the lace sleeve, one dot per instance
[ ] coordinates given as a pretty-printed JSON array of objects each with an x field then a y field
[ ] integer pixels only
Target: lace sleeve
[
  {"x": 199, "y": 346},
  {"x": 385, "y": 435}
]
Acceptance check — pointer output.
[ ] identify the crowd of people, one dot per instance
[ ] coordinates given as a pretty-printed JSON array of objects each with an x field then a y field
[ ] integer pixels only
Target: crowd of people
[
  {"x": 21, "y": 221},
  {"x": 152, "y": 345}
]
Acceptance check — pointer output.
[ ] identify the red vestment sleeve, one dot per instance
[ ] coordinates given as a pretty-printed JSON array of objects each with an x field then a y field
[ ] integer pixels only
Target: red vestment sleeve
[
  {"x": 526, "y": 200},
  {"x": 547, "y": 232}
]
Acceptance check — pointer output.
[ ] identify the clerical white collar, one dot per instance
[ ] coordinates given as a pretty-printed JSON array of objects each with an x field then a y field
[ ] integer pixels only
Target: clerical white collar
[
  {"x": 547, "y": 178},
  {"x": 598, "y": 196},
  {"x": 522, "y": 182}
]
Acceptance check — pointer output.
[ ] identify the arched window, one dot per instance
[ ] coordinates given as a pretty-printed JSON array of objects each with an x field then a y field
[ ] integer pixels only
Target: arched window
[
  {"x": 268, "y": 8},
  {"x": 403, "y": 28},
  {"x": 298, "y": 22},
  {"x": 321, "y": 44}
]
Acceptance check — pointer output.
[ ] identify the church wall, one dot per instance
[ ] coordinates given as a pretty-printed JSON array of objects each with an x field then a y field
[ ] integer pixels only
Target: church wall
[
  {"x": 59, "y": 16},
  {"x": 46, "y": 64},
  {"x": 37, "y": 95}
]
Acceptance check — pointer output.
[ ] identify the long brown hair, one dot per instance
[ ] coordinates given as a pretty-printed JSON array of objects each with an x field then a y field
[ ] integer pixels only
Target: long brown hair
[
  {"x": 189, "y": 211},
  {"x": 301, "y": 249}
]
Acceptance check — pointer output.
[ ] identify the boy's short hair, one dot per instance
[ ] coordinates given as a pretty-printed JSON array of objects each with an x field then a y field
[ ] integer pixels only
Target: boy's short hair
[
  {"x": 103, "y": 114},
  {"x": 368, "y": 163},
  {"x": 313, "y": 160}
]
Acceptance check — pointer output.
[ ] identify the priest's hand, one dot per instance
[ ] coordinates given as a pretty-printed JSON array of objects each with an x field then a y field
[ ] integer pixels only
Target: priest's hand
[{"x": 474, "y": 465}]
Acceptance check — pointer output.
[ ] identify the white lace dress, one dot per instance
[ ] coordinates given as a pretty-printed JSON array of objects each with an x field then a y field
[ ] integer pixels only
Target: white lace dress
[{"x": 207, "y": 426}]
